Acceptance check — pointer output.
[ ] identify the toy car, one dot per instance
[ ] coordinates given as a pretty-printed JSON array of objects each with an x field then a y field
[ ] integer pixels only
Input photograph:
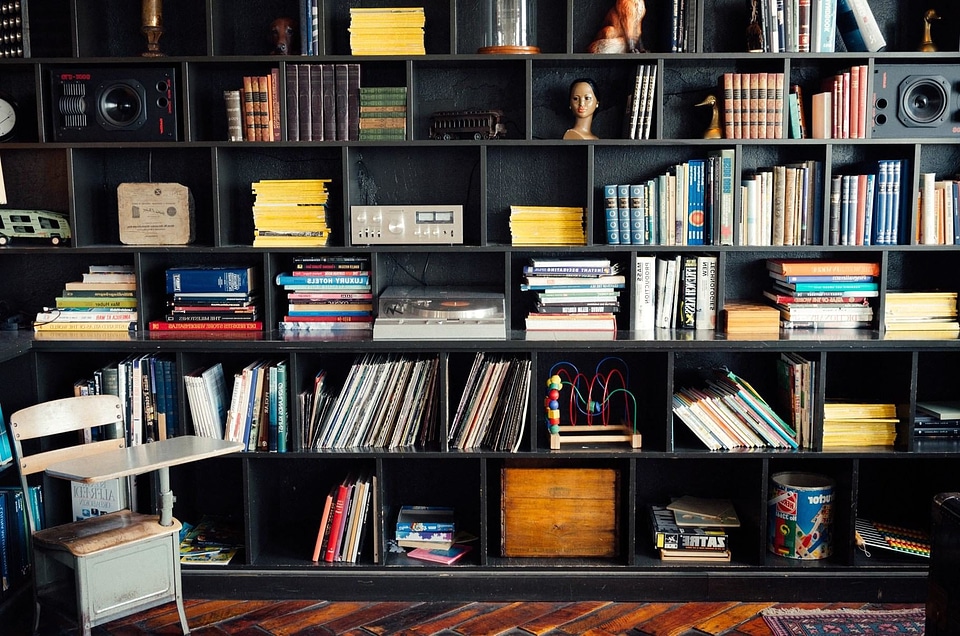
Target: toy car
[{"x": 33, "y": 225}]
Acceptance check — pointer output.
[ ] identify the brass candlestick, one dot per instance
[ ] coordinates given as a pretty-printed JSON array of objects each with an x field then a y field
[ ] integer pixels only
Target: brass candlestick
[{"x": 152, "y": 26}]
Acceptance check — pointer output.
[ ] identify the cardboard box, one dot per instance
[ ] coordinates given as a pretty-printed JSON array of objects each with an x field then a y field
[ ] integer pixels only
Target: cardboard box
[
  {"x": 155, "y": 214},
  {"x": 560, "y": 512}
]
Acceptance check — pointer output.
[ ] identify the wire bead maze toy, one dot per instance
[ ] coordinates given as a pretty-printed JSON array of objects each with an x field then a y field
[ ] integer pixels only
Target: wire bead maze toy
[{"x": 593, "y": 398}]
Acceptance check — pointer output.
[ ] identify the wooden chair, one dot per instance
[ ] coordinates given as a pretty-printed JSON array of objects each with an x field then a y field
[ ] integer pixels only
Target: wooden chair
[{"x": 122, "y": 562}]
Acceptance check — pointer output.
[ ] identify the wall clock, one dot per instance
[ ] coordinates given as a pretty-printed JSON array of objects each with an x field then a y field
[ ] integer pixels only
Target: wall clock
[{"x": 8, "y": 117}]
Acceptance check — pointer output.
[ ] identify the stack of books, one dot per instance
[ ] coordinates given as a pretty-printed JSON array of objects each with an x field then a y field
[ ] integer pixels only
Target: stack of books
[
  {"x": 865, "y": 208},
  {"x": 750, "y": 317},
  {"x": 103, "y": 300},
  {"x": 859, "y": 424},
  {"x": 387, "y": 31},
  {"x": 937, "y": 419},
  {"x": 383, "y": 112},
  {"x": 344, "y": 521},
  {"x": 573, "y": 294},
  {"x": 206, "y": 391},
  {"x": 640, "y": 105},
  {"x": 727, "y": 413},
  {"x": 921, "y": 311},
  {"x": 428, "y": 527},
  {"x": 213, "y": 541},
  {"x": 547, "y": 225},
  {"x": 795, "y": 385},
  {"x": 290, "y": 213},
  {"x": 211, "y": 299},
  {"x": 693, "y": 529},
  {"x": 328, "y": 293},
  {"x": 823, "y": 294}
]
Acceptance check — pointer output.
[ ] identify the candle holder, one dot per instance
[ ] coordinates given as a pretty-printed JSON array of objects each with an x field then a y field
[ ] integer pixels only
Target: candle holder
[
  {"x": 510, "y": 26},
  {"x": 152, "y": 26}
]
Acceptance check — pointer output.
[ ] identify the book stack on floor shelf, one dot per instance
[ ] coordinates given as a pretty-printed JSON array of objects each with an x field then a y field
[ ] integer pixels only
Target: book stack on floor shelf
[
  {"x": 213, "y": 541},
  {"x": 693, "y": 529},
  {"x": 430, "y": 534},
  {"x": 328, "y": 293},
  {"x": 103, "y": 300},
  {"x": 933, "y": 311},
  {"x": 211, "y": 299},
  {"x": 344, "y": 520},
  {"x": 290, "y": 213},
  {"x": 573, "y": 295},
  {"x": 859, "y": 424},
  {"x": 823, "y": 294}
]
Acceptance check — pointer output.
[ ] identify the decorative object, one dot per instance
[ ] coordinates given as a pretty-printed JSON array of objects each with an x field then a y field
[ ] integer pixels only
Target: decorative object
[
  {"x": 152, "y": 26},
  {"x": 583, "y": 104},
  {"x": 814, "y": 622},
  {"x": 927, "y": 45},
  {"x": 8, "y": 117},
  {"x": 754, "y": 29},
  {"x": 283, "y": 37},
  {"x": 713, "y": 130},
  {"x": 510, "y": 26},
  {"x": 621, "y": 29},
  {"x": 593, "y": 398}
]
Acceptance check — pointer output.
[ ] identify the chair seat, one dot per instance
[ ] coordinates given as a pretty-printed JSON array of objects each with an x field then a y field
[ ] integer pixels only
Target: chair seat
[{"x": 83, "y": 538}]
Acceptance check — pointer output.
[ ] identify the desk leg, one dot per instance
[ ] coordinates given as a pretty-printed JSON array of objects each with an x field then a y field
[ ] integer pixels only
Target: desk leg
[{"x": 166, "y": 497}]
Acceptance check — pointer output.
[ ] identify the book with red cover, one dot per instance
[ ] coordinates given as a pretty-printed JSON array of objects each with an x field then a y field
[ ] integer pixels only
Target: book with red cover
[
  {"x": 339, "y": 510},
  {"x": 446, "y": 557},
  {"x": 204, "y": 325},
  {"x": 325, "y": 519}
]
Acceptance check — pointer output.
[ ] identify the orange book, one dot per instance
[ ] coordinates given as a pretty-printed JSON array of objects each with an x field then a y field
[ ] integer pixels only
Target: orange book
[
  {"x": 862, "y": 102},
  {"x": 813, "y": 267},
  {"x": 738, "y": 108},
  {"x": 728, "y": 127},
  {"x": 762, "y": 108},
  {"x": 249, "y": 119},
  {"x": 853, "y": 77},
  {"x": 324, "y": 525}
]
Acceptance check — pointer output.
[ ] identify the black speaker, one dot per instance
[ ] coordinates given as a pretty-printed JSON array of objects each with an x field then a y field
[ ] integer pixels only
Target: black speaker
[
  {"x": 914, "y": 100},
  {"x": 114, "y": 104}
]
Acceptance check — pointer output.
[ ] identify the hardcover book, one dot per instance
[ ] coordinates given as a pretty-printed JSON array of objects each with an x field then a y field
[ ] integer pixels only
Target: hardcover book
[{"x": 211, "y": 279}]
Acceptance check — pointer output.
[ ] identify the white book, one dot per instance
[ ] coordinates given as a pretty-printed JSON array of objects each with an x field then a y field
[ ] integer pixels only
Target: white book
[
  {"x": 645, "y": 294},
  {"x": 928, "y": 209},
  {"x": 706, "y": 315}
]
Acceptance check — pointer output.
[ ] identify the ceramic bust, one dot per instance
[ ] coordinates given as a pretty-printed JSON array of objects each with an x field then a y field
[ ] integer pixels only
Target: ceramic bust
[{"x": 583, "y": 104}]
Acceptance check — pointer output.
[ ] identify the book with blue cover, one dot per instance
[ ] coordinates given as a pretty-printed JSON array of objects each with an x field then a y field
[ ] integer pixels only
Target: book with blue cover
[{"x": 211, "y": 279}]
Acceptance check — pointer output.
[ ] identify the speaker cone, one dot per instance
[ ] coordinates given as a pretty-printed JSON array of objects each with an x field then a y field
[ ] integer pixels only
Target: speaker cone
[
  {"x": 923, "y": 100},
  {"x": 120, "y": 105}
]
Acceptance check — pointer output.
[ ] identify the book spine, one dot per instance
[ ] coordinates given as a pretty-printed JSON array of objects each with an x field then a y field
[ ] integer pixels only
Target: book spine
[
  {"x": 637, "y": 214},
  {"x": 706, "y": 292},
  {"x": 214, "y": 280},
  {"x": 611, "y": 214},
  {"x": 623, "y": 213},
  {"x": 292, "y": 85},
  {"x": 688, "y": 293},
  {"x": 232, "y": 325}
]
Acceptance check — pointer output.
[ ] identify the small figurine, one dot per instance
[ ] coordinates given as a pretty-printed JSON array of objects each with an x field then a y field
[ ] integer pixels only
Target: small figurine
[
  {"x": 583, "y": 103},
  {"x": 283, "y": 36},
  {"x": 713, "y": 130},
  {"x": 621, "y": 29},
  {"x": 927, "y": 45},
  {"x": 754, "y": 30}
]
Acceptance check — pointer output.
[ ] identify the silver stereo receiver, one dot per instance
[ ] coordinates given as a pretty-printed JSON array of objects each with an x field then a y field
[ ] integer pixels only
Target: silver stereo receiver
[{"x": 406, "y": 224}]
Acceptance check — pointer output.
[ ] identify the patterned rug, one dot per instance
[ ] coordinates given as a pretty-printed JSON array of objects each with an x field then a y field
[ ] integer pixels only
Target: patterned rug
[{"x": 804, "y": 622}]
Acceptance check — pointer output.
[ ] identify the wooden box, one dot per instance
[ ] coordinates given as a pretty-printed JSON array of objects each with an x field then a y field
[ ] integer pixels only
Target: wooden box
[
  {"x": 155, "y": 214},
  {"x": 559, "y": 512}
]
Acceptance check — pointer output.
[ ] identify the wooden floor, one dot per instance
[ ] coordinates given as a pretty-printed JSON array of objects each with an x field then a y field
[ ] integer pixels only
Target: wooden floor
[{"x": 257, "y": 618}]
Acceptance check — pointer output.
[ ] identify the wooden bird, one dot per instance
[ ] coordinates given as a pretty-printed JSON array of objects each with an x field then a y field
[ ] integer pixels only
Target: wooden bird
[
  {"x": 713, "y": 130},
  {"x": 927, "y": 45}
]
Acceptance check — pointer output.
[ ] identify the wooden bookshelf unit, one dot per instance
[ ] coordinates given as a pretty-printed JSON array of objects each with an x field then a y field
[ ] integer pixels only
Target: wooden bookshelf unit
[{"x": 278, "y": 498}]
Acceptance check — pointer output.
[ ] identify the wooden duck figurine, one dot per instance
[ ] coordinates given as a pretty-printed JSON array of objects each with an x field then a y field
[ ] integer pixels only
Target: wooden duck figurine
[
  {"x": 713, "y": 130},
  {"x": 927, "y": 45}
]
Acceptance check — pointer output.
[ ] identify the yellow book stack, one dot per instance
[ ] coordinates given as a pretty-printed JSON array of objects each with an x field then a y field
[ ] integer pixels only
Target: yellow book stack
[
  {"x": 859, "y": 424},
  {"x": 290, "y": 213},
  {"x": 387, "y": 31},
  {"x": 547, "y": 225},
  {"x": 921, "y": 311}
]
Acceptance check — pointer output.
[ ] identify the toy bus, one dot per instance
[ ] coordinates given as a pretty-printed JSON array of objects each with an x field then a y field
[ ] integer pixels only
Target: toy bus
[
  {"x": 33, "y": 225},
  {"x": 467, "y": 124}
]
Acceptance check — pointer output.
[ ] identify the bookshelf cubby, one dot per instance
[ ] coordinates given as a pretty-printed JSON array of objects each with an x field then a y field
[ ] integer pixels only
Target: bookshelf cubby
[{"x": 278, "y": 497}]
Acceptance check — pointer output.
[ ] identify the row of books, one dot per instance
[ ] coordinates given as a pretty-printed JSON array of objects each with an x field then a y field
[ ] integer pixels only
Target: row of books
[
  {"x": 811, "y": 26},
  {"x": 344, "y": 520},
  {"x": 147, "y": 388},
  {"x": 727, "y": 413},
  {"x": 103, "y": 300},
  {"x": 938, "y": 222},
  {"x": 328, "y": 293},
  {"x": 258, "y": 413},
  {"x": 323, "y": 102},
  {"x": 781, "y": 205},
  {"x": 683, "y": 26},
  {"x": 387, "y": 401},
  {"x": 290, "y": 213},
  {"x": 806, "y": 296},
  {"x": 865, "y": 208},
  {"x": 752, "y": 105},
  {"x": 796, "y": 380},
  {"x": 532, "y": 225},
  {"x": 931, "y": 311},
  {"x": 383, "y": 112},
  {"x": 258, "y": 118},
  {"x": 640, "y": 102},
  {"x": 840, "y": 111},
  {"x": 859, "y": 424},
  {"x": 676, "y": 292},
  {"x": 387, "y": 31},
  {"x": 492, "y": 410},
  {"x": 15, "y": 557},
  {"x": 220, "y": 298},
  {"x": 573, "y": 294}
]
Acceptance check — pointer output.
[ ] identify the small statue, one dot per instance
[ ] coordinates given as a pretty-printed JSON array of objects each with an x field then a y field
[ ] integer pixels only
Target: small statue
[
  {"x": 283, "y": 36},
  {"x": 927, "y": 45},
  {"x": 754, "y": 30},
  {"x": 583, "y": 103},
  {"x": 713, "y": 130},
  {"x": 621, "y": 29}
]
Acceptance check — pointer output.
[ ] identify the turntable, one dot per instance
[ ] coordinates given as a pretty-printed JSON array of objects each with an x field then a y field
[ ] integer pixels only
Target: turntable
[{"x": 437, "y": 313}]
